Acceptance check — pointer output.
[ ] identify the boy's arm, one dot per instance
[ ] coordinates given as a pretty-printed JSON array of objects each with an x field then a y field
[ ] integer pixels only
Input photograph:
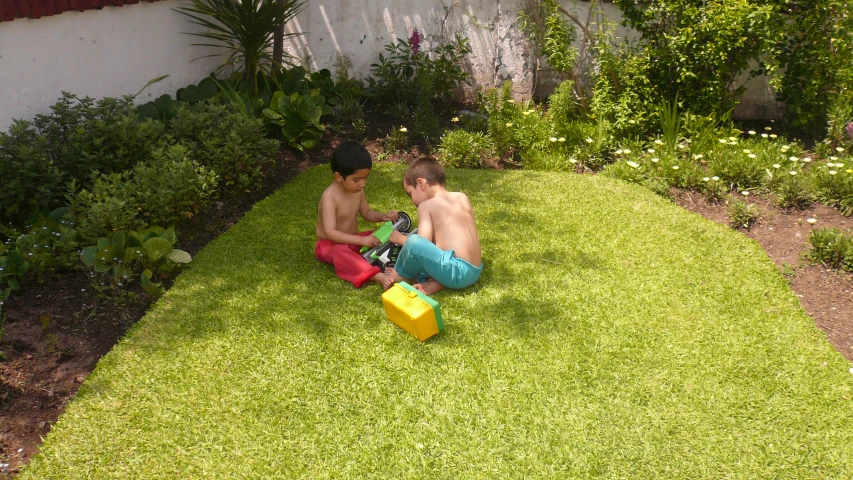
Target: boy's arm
[
  {"x": 330, "y": 227},
  {"x": 372, "y": 215},
  {"x": 425, "y": 222}
]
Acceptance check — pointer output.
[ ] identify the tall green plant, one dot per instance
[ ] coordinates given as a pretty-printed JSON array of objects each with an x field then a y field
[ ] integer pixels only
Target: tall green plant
[
  {"x": 699, "y": 48},
  {"x": 814, "y": 60},
  {"x": 243, "y": 29}
]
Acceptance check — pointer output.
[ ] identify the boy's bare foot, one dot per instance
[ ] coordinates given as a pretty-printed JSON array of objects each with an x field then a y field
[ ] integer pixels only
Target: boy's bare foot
[
  {"x": 384, "y": 280},
  {"x": 429, "y": 287},
  {"x": 389, "y": 271}
]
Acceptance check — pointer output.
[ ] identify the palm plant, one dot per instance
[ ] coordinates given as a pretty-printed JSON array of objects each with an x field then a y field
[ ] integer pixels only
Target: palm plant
[{"x": 244, "y": 30}]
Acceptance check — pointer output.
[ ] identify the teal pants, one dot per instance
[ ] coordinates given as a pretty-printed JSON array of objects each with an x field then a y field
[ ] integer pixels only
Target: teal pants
[{"x": 419, "y": 258}]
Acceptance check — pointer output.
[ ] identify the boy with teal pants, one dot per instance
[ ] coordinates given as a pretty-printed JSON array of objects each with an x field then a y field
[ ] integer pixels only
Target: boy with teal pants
[{"x": 446, "y": 250}]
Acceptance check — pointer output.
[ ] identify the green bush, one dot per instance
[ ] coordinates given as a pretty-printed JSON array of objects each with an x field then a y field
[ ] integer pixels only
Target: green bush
[
  {"x": 564, "y": 111},
  {"x": 397, "y": 140},
  {"x": 30, "y": 180},
  {"x": 794, "y": 190},
  {"x": 459, "y": 148},
  {"x": 106, "y": 206},
  {"x": 833, "y": 182},
  {"x": 814, "y": 64},
  {"x": 742, "y": 214},
  {"x": 83, "y": 135},
  {"x": 417, "y": 79},
  {"x": 830, "y": 247},
  {"x": 232, "y": 145},
  {"x": 50, "y": 246},
  {"x": 298, "y": 115},
  {"x": 696, "y": 49},
  {"x": 169, "y": 188}
]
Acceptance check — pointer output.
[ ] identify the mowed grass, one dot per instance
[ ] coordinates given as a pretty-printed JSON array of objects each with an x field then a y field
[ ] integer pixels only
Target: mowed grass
[{"x": 612, "y": 335}]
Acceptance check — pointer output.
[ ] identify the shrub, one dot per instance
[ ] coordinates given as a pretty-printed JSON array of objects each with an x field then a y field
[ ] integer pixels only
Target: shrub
[
  {"x": 715, "y": 189},
  {"x": 105, "y": 207},
  {"x": 459, "y": 148},
  {"x": 397, "y": 140},
  {"x": 50, "y": 246},
  {"x": 232, "y": 145},
  {"x": 697, "y": 49},
  {"x": 830, "y": 247},
  {"x": 814, "y": 60},
  {"x": 743, "y": 167},
  {"x": 743, "y": 214},
  {"x": 794, "y": 191},
  {"x": 564, "y": 108},
  {"x": 30, "y": 180},
  {"x": 412, "y": 77},
  {"x": 834, "y": 185},
  {"x": 171, "y": 187},
  {"x": 84, "y": 135}
]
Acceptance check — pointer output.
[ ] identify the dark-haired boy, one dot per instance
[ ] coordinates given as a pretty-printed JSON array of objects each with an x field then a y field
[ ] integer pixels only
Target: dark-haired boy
[
  {"x": 338, "y": 239},
  {"x": 446, "y": 250}
]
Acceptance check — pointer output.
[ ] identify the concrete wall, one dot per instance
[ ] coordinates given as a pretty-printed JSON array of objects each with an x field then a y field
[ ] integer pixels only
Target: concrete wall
[
  {"x": 99, "y": 53},
  {"x": 115, "y": 51}
]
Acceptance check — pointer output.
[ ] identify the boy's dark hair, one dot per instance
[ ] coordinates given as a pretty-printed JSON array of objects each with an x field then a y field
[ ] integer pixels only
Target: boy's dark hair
[
  {"x": 426, "y": 168},
  {"x": 350, "y": 156}
]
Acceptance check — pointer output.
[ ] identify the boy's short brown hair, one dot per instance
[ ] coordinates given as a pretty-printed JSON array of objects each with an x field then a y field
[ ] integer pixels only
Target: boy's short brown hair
[{"x": 426, "y": 168}]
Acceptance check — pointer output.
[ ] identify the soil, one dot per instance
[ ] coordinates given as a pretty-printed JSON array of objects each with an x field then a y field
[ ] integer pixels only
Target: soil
[{"x": 55, "y": 332}]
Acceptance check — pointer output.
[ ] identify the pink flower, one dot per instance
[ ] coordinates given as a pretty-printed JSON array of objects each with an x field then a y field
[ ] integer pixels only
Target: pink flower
[
  {"x": 850, "y": 129},
  {"x": 415, "y": 40}
]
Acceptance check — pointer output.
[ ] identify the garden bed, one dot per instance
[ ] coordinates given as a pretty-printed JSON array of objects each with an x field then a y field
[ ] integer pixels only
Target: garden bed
[{"x": 55, "y": 333}]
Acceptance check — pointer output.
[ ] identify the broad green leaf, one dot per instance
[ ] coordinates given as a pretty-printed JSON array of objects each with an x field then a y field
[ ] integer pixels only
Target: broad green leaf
[{"x": 155, "y": 248}]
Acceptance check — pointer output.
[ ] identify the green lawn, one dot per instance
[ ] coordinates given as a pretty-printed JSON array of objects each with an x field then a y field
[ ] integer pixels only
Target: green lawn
[{"x": 612, "y": 335}]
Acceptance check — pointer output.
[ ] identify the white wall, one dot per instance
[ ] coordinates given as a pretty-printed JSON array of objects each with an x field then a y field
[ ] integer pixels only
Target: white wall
[
  {"x": 115, "y": 51},
  {"x": 100, "y": 53}
]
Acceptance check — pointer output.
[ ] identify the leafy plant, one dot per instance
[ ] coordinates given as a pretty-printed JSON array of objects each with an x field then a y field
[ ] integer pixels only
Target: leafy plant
[
  {"x": 830, "y": 247},
  {"x": 670, "y": 123},
  {"x": 30, "y": 180},
  {"x": 411, "y": 76},
  {"x": 83, "y": 135},
  {"x": 743, "y": 214},
  {"x": 231, "y": 144},
  {"x": 104, "y": 207},
  {"x": 116, "y": 259},
  {"x": 459, "y": 148},
  {"x": 397, "y": 140},
  {"x": 813, "y": 64},
  {"x": 171, "y": 187},
  {"x": 298, "y": 115},
  {"x": 13, "y": 267},
  {"x": 794, "y": 191},
  {"x": 243, "y": 29},
  {"x": 714, "y": 189},
  {"x": 697, "y": 49},
  {"x": 834, "y": 185},
  {"x": 51, "y": 244}
]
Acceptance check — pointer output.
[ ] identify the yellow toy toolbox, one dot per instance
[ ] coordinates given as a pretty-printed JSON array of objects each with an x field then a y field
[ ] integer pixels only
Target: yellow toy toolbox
[{"x": 412, "y": 311}]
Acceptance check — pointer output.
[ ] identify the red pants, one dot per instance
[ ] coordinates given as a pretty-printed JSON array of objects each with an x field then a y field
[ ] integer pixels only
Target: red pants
[{"x": 348, "y": 262}]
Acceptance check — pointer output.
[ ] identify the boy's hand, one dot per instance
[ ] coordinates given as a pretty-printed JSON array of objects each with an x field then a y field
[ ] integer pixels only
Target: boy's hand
[
  {"x": 370, "y": 241},
  {"x": 390, "y": 216},
  {"x": 397, "y": 238}
]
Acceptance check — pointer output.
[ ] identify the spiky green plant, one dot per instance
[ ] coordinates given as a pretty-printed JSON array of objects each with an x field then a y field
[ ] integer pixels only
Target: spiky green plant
[{"x": 242, "y": 31}]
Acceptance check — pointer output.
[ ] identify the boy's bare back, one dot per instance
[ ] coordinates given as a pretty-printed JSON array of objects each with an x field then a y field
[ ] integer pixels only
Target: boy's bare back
[{"x": 447, "y": 219}]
